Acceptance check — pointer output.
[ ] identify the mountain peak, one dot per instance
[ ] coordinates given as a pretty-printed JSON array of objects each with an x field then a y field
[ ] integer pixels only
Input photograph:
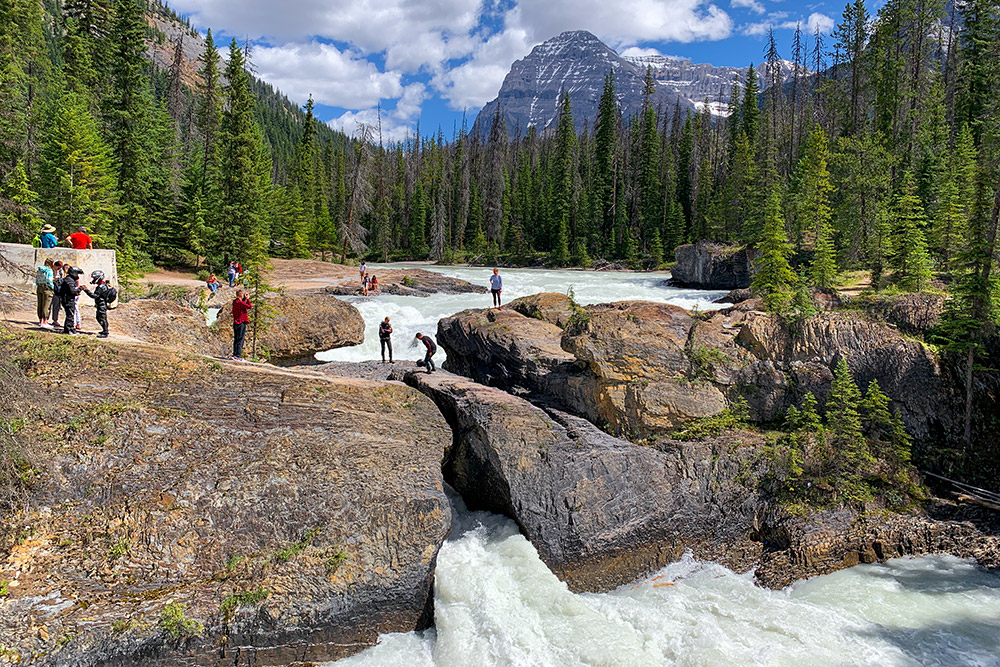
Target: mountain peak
[{"x": 578, "y": 62}]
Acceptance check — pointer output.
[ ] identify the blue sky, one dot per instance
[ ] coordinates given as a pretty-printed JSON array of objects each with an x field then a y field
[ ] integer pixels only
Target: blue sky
[{"x": 430, "y": 61}]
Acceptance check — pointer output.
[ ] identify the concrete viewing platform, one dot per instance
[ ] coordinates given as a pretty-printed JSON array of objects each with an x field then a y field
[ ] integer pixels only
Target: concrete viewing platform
[{"x": 27, "y": 257}]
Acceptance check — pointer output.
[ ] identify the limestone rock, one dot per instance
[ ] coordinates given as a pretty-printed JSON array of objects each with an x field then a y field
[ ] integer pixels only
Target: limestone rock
[
  {"x": 600, "y": 510},
  {"x": 295, "y": 517},
  {"x": 710, "y": 265},
  {"x": 550, "y": 307},
  {"x": 914, "y": 313},
  {"x": 303, "y": 323}
]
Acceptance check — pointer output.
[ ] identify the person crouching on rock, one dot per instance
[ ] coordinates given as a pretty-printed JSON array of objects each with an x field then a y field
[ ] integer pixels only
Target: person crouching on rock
[
  {"x": 103, "y": 295},
  {"x": 385, "y": 338},
  {"x": 69, "y": 292},
  {"x": 431, "y": 349},
  {"x": 241, "y": 309}
]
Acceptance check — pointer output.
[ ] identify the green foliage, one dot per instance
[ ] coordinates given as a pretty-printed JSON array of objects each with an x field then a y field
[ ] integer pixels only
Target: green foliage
[
  {"x": 910, "y": 261},
  {"x": 408, "y": 281},
  {"x": 289, "y": 551},
  {"x": 735, "y": 416},
  {"x": 243, "y": 599},
  {"x": 774, "y": 281},
  {"x": 334, "y": 562},
  {"x": 174, "y": 620}
]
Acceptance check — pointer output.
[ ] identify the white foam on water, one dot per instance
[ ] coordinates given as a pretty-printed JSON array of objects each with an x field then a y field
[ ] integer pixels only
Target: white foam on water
[
  {"x": 496, "y": 603},
  {"x": 410, "y": 314}
]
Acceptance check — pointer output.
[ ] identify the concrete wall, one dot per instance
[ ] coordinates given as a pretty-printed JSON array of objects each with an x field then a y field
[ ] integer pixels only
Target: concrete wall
[{"x": 28, "y": 257}]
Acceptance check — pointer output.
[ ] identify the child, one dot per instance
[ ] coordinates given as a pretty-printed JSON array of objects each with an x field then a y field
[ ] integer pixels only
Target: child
[
  {"x": 213, "y": 284},
  {"x": 373, "y": 286},
  {"x": 103, "y": 296},
  {"x": 241, "y": 308}
]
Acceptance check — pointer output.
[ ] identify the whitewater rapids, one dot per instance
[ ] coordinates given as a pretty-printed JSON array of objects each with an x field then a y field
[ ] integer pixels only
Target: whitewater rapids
[
  {"x": 496, "y": 603},
  {"x": 411, "y": 314}
]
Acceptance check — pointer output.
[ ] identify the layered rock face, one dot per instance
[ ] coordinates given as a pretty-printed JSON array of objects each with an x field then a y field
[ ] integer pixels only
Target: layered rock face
[
  {"x": 301, "y": 324},
  {"x": 184, "y": 511},
  {"x": 600, "y": 510},
  {"x": 710, "y": 265},
  {"x": 642, "y": 369}
]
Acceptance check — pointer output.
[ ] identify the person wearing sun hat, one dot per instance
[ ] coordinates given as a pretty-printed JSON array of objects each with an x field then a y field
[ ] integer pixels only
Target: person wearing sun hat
[{"x": 48, "y": 237}]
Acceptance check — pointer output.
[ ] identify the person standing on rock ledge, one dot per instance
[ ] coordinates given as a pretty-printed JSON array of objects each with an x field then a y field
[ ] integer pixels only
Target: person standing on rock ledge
[
  {"x": 385, "y": 338},
  {"x": 432, "y": 347},
  {"x": 496, "y": 286},
  {"x": 241, "y": 308}
]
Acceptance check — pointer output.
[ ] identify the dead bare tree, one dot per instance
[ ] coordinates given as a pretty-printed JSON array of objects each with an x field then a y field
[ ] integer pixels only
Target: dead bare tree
[{"x": 359, "y": 201}]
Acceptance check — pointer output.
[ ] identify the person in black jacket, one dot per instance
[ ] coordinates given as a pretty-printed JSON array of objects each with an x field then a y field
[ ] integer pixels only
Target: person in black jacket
[
  {"x": 69, "y": 290},
  {"x": 102, "y": 295},
  {"x": 385, "y": 338},
  {"x": 432, "y": 347}
]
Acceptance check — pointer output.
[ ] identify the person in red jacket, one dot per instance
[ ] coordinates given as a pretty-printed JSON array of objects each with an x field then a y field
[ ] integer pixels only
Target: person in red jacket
[
  {"x": 80, "y": 240},
  {"x": 241, "y": 309}
]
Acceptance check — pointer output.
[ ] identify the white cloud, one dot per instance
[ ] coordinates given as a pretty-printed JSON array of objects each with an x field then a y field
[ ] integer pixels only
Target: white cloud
[
  {"x": 638, "y": 52},
  {"x": 332, "y": 77},
  {"x": 752, "y": 5},
  {"x": 475, "y": 82},
  {"x": 816, "y": 21},
  {"x": 819, "y": 22},
  {"x": 397, "y": 124}
]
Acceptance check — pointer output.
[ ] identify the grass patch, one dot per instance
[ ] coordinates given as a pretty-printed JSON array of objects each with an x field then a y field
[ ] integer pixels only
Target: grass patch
[
  {"x": 244, "y": 599},
  {"x": 408, "y": 281},
  {"x": 290, "y": 551},
  {"x": 119, "y": 549},
  {"x": 733, "y": 417},
  {"x": 334, "y": 562}
]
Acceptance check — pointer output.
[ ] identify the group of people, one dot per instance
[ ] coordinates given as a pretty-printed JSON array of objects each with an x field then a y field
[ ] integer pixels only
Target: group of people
[
  {"x": 369, "y": 283},
  {"x": 78, "y": 240},
  {"x": 57, "y": 287},
  {"x": 385, "y": 340}
]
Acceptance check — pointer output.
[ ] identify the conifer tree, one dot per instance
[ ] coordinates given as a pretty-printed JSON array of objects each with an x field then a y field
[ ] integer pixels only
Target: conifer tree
[
  {"x": 910, "y": 261},
  {"x": 19, "y": 219},
  {"x": 242, "y": 181},
  {"x": 76, "y": 175},
  {"x": 128, "y": 109},
  {"x": 813, "y": 204},
  {"x": 852, "y": 457},
  {"x": 774, "y": 281},
  {"x": 564, "y": 182},
  {"x": 605, "y": 140},
  {"x": 209, "y": 114}
]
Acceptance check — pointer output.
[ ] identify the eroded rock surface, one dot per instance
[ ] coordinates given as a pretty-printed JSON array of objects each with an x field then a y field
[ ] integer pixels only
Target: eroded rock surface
[
  {"x": 168, "y": 324},
  {"x": 302, "y": 323},
  {"x": 411, "y": 282},
  {"x": 600, "y": 510},
  {"x": 295, "y": 517},
  {"x": 643, "y": 368},
  {"x": 710, "y": 265}
]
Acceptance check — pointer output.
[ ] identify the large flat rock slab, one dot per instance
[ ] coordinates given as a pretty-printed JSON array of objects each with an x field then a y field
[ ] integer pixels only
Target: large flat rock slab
[{"x": 291, "y": 517}]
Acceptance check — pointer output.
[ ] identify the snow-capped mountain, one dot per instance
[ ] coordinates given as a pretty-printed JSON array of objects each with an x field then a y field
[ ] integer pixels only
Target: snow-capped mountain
[{"x": 577, "y": 61}]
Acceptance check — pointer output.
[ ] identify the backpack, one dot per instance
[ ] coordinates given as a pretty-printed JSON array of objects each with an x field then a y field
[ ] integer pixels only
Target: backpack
[
  {"x": 57, "y": 291},
  {"x": 112, "y": 294}
]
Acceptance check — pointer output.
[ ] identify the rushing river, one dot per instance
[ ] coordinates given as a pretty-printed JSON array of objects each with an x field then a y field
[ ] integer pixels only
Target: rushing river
[
  {"x": 496, "y": 603},
  {"x": 410, "y": 314}
]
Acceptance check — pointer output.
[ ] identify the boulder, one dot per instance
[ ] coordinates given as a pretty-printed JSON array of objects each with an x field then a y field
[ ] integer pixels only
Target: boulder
[
  {"x": 411, "y": 282},
  {"x": 551, "y": 307},
  {"x": 187, "y": 511},
  {"x": 601, "y": 511},
  {"x": 710, "y": 265},
  {"x": 302, "y": 323}
]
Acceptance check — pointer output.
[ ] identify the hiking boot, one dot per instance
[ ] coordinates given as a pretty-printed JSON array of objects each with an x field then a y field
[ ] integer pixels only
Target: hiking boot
[{"x": 102, "y": 335}]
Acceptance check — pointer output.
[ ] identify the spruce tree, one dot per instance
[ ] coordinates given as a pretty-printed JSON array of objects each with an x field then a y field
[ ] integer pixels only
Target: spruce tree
[
  {"x": 774, "y": 281},
  {"x": 564, "y": 182},
  {"x": 813, "y": 207},
  {"x": 209, "y": 113},
  {"x": 242, "y": 177},
  {"x": 605, "y": 140},
  {"x": 19, "y": 219},
  {"x": 851, "y": 456},
  {"x": 910, "y": 261},
  {"x": 76, "y": 174}
]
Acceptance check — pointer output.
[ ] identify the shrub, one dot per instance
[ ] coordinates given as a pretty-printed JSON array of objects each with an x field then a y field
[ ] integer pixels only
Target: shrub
[{"x": 174, "y": 620}]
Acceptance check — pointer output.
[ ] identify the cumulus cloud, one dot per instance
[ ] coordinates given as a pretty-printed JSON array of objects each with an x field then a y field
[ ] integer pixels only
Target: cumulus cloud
[
  {"x": 373, "y": 26},
  {"x": 815, "y": 22},
  {"x": 752, "y": 5},
  {"x": 475, "y": 82},
  {"x": 333, "y": 77},
  {"x": 397, "y": 124}
]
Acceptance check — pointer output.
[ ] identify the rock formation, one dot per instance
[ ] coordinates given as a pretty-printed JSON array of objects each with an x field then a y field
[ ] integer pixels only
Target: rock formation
[
  {"x": 600, "y": 510},
  {"x": 710, "y": 265},
  {"x": 301, "y": 324},
  {"x": 642, "y": 368},
  {"x": 186, "y": 511}
]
